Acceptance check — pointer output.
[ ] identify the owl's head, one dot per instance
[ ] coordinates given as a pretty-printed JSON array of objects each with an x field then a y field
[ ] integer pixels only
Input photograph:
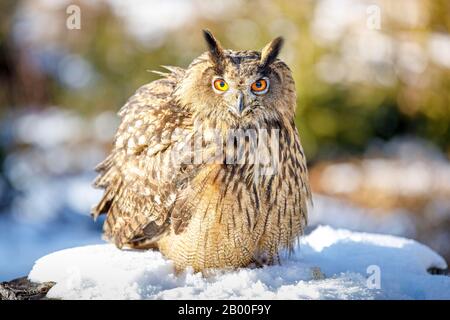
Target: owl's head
[{"x": 238, "y": 88}]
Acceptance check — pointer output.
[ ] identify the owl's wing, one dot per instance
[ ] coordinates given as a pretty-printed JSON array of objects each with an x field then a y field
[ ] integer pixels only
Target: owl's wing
[
  {"x": 138, "y": 181},
  {"x": 288, "y": 193}
]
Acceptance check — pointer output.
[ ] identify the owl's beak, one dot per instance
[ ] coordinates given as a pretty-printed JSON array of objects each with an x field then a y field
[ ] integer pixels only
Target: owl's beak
[{"x": 238, "y": 106}]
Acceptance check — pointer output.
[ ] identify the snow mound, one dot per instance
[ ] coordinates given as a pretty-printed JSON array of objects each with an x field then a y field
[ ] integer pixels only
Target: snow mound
[{"x": 330, "y": 264}]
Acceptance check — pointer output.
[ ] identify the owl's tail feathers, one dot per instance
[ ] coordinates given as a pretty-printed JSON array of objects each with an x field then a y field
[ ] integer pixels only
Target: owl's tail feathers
[
  {"x": 148, "y": 237},
  {"x": 106, "y": 173},
  {"x": 109, "y": 226},
  {"x": 132, "y": 231},
  {"x": 103, "y": 206},
  {"x": 106, "y": 179},
  {"x": 113, "y": 226}
]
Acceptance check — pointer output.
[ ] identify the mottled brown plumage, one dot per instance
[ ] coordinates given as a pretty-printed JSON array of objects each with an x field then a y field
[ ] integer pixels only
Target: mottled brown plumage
[{"x": 167, "y": 186}]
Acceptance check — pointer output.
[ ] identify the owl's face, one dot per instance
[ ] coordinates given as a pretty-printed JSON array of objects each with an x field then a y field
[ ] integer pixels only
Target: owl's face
[{"x": 238, "y": 88}]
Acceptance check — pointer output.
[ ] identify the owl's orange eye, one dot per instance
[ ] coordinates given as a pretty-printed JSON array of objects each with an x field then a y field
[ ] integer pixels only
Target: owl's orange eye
[
  {"x": 220, "y": 85},
  {"x": 260, "y": 86}
]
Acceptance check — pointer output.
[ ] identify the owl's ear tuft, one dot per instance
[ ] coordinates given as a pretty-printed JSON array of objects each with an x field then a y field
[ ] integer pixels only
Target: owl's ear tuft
[
  {"x": 215, "y": 49},
  {"x": 270, "y": 52}
]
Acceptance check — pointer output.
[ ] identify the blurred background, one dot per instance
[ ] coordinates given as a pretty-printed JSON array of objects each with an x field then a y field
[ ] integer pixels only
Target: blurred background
[{"x": 373, "y": 81}]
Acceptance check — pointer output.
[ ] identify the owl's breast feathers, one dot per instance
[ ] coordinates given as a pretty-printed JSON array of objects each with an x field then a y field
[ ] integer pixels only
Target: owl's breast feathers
[{"x": 199, "y": 214}]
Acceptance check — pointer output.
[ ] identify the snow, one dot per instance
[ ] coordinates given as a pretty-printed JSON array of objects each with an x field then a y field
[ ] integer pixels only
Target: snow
[
  {"x": 330, "y": 264},
  {"x": 339, "y": 213}
]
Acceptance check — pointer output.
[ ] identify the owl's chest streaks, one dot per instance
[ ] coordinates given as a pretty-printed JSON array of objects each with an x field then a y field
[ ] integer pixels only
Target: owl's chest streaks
[
  {"x": 232, "y": 222},
  {"x": 234, "y": 181}
]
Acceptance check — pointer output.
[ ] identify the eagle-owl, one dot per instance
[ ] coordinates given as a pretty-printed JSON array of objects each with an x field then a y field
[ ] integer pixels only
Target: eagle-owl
[{"x": 222, "y": 211}]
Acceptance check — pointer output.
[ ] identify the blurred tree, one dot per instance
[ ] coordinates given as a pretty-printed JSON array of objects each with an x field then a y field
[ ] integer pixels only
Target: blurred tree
[{"x": 354, "y": 84}]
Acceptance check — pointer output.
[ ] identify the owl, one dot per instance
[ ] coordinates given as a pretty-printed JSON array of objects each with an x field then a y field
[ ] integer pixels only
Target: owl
[{"x": 207, "y": 165}]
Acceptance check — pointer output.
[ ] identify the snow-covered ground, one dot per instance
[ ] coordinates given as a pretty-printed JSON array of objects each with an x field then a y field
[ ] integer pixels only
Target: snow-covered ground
[
  {"x": 329, "y": 264},
  {"x": 46, "y": 195},
  {"x": 64, "y": 222}
]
